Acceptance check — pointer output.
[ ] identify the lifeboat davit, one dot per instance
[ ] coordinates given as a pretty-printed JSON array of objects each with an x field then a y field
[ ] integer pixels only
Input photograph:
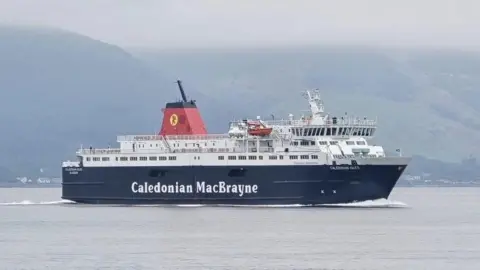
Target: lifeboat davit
[{"x": 258, "y": 129}]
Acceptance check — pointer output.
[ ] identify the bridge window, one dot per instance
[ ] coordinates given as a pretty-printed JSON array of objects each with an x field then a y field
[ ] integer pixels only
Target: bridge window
[
  {"x": 322, "y": 142},
  {"x": 329, "y": 132}
]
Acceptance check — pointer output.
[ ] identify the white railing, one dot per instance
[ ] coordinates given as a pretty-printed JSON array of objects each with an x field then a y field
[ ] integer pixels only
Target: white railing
[
  {"x": 123, "y": 138},
  {"x": 197, "y": 137},
  {"x": 350, "y": 121},
  {"x": 104, "y": 151},
  {"x": 164, "y": 151}
]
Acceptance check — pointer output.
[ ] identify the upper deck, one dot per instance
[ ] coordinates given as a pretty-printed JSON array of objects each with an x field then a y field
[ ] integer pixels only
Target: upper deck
[{"x": 319, "y": 134}]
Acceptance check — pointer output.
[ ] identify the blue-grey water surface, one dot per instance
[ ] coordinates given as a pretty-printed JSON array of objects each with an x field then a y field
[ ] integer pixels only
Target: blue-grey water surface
[{"x": 429, "y": 228}]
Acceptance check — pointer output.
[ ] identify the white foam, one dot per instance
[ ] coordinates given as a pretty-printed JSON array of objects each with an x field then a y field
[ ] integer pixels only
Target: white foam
[
  {"x": 28, "y": 202},
  {"x": 380, "y": 203}
]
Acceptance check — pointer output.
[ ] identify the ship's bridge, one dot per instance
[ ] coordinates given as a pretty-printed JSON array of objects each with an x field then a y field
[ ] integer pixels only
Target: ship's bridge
[
  {"x": 319, "y": 123},
  {"x": 333, "y": 127}
]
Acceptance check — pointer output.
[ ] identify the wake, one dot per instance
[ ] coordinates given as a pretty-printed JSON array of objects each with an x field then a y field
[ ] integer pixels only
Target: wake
[
  {"x": 380, "y": 203},
  {"x": 28, "y": 202}
]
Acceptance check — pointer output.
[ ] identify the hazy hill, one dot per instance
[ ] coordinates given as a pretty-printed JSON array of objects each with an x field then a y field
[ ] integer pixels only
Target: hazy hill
[
  {"x": 59, "y": 90},
  {"x": 427, "y": 102}
]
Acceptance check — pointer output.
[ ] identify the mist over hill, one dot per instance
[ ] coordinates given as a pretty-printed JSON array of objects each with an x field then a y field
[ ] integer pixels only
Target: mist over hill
[
  {"x": 60, "y": 90},
  {"x": 427, "y": 102}
]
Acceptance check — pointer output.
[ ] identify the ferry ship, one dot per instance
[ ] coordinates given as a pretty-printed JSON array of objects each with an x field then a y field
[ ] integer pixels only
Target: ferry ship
[{"x": 313, "y": 160}]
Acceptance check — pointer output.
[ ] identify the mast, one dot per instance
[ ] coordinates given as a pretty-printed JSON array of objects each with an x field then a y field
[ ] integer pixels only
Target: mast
[{"x": 184, "y": 97}]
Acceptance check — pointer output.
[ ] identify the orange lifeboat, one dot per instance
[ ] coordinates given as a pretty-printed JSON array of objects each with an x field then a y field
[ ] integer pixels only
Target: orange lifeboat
[{"x": 257, "y": 129}]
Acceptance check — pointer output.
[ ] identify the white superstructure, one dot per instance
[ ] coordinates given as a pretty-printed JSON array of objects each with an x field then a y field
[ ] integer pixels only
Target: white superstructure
[{"x": 318, "y": 138}]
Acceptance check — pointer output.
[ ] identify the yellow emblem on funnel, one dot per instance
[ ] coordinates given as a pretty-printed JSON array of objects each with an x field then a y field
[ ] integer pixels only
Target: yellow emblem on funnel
[{"x": 174, "y": 119}]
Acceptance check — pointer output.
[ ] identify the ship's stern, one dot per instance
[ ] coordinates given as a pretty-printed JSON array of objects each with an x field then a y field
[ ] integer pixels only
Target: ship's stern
[{"x": 71, "y": 174}]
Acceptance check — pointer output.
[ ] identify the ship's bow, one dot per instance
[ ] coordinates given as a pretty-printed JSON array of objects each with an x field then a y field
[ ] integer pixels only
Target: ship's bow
[{"x": 383, "y": 174}]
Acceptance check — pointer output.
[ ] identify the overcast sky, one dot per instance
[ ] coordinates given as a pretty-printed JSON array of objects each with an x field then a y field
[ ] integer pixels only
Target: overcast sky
[{"x": 226, "y": 23}]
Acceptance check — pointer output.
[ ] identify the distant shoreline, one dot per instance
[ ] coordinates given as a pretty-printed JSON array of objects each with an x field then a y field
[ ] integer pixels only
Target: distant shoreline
[{"x": 30, "y": 186}]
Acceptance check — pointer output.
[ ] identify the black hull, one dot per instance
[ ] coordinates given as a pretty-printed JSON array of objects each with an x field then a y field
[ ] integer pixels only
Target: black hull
[{"x": 249, "y": 185}]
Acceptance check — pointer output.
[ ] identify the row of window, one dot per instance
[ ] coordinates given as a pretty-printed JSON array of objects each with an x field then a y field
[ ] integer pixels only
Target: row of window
[
  {"x": 151, "y": 158},
  {"x": 163, "y": 158},
  {"x": 269, "y": 157},
  {"x": 305, "y": 143},
  {"x": 343, "y": 131}
]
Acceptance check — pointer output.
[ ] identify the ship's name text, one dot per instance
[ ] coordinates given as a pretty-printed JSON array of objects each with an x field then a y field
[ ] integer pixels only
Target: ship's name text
[
  {"x": 200, "y": 187},
  {"x": 345, "y": 167}
]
